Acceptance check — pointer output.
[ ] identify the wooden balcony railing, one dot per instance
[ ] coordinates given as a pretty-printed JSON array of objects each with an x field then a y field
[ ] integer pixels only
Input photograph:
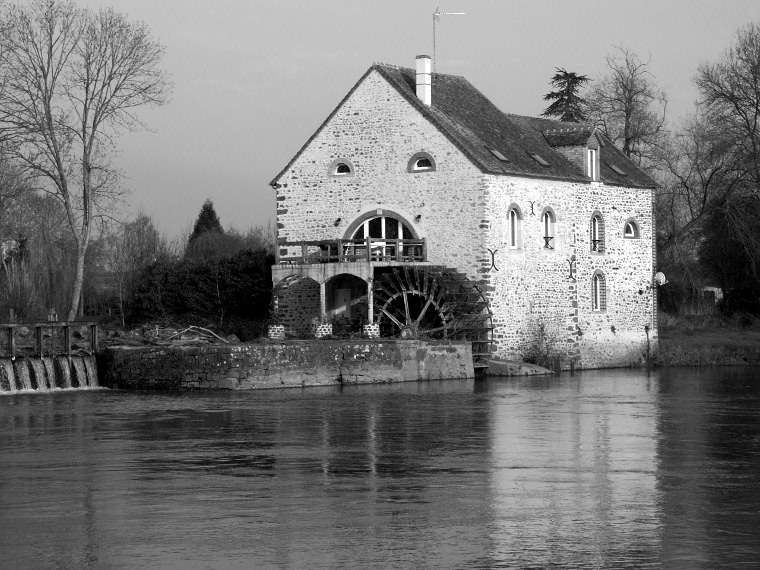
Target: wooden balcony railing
[{"x": 348, "y": 250}]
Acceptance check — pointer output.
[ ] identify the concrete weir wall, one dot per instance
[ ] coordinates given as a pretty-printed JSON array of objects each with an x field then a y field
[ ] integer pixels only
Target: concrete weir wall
[{"x": 286, "y": 364}]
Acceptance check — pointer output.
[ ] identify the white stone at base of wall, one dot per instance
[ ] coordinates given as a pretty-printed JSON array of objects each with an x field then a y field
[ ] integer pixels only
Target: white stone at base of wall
[
  {"x": 321, "y": 330},
  {"x": 371, "y": 331},
  {"x": 276, "y": 332}
]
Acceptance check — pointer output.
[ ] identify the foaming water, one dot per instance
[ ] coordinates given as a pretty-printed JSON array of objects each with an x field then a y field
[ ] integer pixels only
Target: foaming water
[
  {"x": 44, "y": 374},
  {"x": 605, "y": 469}
]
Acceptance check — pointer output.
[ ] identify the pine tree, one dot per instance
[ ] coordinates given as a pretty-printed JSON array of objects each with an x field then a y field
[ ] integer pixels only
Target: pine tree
[
  {"x": 207, "y": 221},
  {"x": 567, "y": 103}
]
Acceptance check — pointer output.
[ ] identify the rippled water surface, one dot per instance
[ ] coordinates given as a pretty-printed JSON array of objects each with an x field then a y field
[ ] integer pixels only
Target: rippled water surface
[{"x": 608, "y": 469}]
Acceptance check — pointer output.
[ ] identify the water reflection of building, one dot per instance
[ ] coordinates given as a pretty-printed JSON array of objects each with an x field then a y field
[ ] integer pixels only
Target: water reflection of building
[{"x": 574, "y": 472}]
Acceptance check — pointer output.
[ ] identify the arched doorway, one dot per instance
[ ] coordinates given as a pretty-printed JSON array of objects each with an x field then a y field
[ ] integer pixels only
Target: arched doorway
[{"x": 346, "y": 303}]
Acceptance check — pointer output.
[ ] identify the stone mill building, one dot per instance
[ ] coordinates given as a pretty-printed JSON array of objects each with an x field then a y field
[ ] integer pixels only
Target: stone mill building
[{"x": 419, "y": 209}]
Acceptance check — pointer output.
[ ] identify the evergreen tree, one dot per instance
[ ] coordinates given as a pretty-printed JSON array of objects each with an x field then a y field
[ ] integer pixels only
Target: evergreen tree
[
  {"x": 567, "y": 103},
  {"x": 207, "y": 222}
]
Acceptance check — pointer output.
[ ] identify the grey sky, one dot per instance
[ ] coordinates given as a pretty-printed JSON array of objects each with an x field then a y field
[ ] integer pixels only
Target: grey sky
[{"x": 253, "y": 79}]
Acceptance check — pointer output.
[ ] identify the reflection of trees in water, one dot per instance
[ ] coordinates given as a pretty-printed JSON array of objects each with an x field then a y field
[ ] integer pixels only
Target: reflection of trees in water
[{"x": 709, "y": 458}]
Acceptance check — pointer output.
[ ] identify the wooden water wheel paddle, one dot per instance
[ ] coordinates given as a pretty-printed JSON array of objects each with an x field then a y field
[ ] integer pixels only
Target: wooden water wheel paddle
[{"x": 433, "y": 303}]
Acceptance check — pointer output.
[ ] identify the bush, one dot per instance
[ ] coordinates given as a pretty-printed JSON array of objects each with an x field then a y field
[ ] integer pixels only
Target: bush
[{"x": 232, "y": 292}]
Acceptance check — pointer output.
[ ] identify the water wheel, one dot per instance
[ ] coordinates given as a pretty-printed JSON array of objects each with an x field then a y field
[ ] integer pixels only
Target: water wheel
[{"x": 436, "y": 303}]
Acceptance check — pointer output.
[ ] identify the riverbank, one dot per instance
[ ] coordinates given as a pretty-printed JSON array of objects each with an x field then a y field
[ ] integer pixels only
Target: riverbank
[{"x": 709, "y": 347}]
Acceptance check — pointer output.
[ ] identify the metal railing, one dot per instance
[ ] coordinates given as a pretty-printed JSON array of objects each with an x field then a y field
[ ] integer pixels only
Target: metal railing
[
  {"x": 352, "y": 250},
  {"x": 11, "y": 330}
]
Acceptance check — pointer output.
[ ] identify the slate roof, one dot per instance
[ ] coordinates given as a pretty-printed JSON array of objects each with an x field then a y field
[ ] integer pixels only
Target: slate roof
[{"x": 475, "y": 125}]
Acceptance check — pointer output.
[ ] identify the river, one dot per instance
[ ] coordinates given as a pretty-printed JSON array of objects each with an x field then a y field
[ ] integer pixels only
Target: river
[{"x": 604, "y": 469}]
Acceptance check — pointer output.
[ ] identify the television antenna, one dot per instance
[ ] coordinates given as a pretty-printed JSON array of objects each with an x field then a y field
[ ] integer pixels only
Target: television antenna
[{"x": 436, "y": 17}]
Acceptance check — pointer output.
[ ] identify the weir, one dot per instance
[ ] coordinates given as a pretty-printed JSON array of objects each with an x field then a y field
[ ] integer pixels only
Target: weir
[
  {"x": 34, "y": 361},
  {"x": 46, "y": 374}
]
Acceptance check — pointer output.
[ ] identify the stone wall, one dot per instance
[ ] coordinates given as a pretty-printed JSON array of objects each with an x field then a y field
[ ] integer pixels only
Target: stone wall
[
  {"x": 533, "y": 288},
  {"x": 281, "y": 365},
  {"x": 298, "y": 304}
]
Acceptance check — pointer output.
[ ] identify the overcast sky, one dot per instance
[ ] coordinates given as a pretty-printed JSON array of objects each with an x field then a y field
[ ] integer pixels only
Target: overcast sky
[{"x": 253, "y": 79}]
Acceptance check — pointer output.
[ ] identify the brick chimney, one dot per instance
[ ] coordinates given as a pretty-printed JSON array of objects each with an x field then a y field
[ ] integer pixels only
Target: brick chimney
[{"x": 424, "y": 75}]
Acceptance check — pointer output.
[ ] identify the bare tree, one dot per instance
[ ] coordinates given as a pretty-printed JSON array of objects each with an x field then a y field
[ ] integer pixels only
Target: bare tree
[
  {"x": 699, "y": 169},
  {"x": 13, "y": 186},
  {"x": 70, "y": 81},
  {"x": 628, "y": 106},
  {"x": 730, "y": 88},
  {"x": 711, "y": 172}
]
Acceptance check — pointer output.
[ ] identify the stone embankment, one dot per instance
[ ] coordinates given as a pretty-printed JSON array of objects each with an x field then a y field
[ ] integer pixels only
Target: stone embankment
[{"x": 283, "y": 364}]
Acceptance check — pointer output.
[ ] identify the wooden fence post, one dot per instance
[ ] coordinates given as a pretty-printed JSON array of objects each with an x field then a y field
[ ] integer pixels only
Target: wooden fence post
[
  {"x": 39, "y": 341},
  {"x": 11, "y": 341},
  {"x": 67, "y": 339},
  {"x": 94, "y": 338}
]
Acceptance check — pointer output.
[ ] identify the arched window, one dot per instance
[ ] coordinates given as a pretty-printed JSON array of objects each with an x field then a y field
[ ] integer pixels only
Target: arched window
[
  {"x": 547, "y": 228},
  {"x": 598, "y": 292},
  {"x": 631, "y": 229},
  {"x": 341, "y": 167},
  {"x": 421, "y": 162},
  {"x": 514, "y": 228},
  {"x": 383, "y": 229},
  {"x": 597, "y": 233}
]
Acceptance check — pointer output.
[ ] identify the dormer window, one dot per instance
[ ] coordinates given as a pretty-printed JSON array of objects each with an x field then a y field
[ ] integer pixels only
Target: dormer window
[
  {"x": 592, "y": 164},
  {"x": 421, "y": 162},
  {"x": 341, "y": 167}
]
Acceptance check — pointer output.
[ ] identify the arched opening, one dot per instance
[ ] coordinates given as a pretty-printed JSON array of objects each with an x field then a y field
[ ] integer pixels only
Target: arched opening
[
  {"x": 346, "y": 303},
  {"x": 385, "y": 229},
  {"x": 514, "y": 227},
  {"x": 548, "y": 228},
  {"x": 341, "y": 167},
  {"x": 598, "y": 292},
  {"x": 597, "y": 233},
  {"x": 631, "y": 229},
  {"x": 421, "y": 162}
]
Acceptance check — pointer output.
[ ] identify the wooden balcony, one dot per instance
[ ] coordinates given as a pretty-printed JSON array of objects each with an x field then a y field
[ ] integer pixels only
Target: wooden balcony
[{"x": 354, "y": 250}]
